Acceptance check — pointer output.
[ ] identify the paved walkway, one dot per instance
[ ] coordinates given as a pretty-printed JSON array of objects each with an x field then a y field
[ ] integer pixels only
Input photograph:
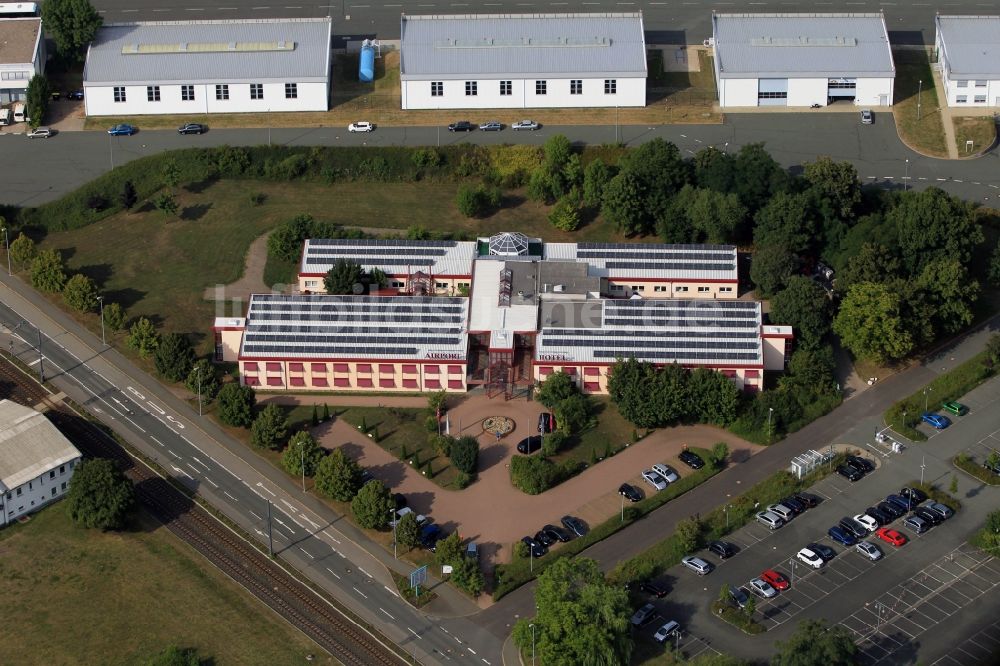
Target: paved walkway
[
  {"x": 252, "y": 281},
  {"x": 947, "y": 121}
]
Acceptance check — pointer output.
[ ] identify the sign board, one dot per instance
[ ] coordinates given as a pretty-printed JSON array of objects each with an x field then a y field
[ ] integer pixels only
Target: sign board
[
  {"x": 446, "y": 568},
  {"x": 418, "y": 577}
]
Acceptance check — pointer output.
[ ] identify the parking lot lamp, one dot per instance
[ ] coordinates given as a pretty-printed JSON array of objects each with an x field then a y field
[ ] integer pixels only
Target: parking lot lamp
[
  {"x": 198, "y": 370},
  {"x": 925, "y": 397},
  {"x": 906, "y": 175},
  {"x": 792, "y": 576},
  {"x": 6, "y": 241},
  {"x": 623, "y": 508},
  {"x": 677, "y": 643},
  {"x": 770, "y": 412},
  {"x": 302, "y": 462},
  {"x": 923, "y": 464},
  {"x": 100, "y": 300},
  {"x": 532, "y": 644},
  {"x": 395, "y": 521}
]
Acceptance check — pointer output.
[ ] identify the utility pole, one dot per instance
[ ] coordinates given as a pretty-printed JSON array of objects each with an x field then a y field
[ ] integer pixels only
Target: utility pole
[{"x": 270, "y": 540}]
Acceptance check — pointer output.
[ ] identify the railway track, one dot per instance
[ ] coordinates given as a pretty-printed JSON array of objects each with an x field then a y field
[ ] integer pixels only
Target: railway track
[{"x": 267, "y": 581}]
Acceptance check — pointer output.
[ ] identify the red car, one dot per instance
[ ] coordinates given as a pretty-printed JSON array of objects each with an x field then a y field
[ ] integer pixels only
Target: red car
[
  {"x": 777, "y": 581},
  {"x": 890, "y": 536}
]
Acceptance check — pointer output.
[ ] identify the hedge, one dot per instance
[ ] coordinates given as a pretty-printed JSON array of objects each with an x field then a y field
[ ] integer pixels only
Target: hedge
[
  {"x": 737, "y": 618},
  {"x": 937, "y": 495},
  {"x": 509, "y": 577},
  {"x": 967, "y": 465},
  {"x": 951, "y": 385}
]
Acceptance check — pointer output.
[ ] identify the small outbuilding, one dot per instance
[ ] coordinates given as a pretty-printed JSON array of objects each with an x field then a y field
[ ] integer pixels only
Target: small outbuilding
[
  {"x": 799, "y": 60},
  {"x": 522, "y": 61},
  {"x": 968, "y": 52},
  {"x": 201, "y": 67}
]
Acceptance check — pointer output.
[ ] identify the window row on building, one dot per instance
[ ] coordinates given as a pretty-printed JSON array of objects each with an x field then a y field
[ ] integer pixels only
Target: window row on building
[
  {"x": 506, "y": 88},
  {"x": 187, "y": 92},
  {"x": 353, "y": 376}
]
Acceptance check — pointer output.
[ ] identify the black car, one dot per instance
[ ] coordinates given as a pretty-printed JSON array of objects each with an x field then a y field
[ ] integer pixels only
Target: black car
[
  {"x": 849, "y": 472},
  {"x": 529, "y": 445},
  {"x": 914, "y": 494},
  {"x": 825, "y": 552},
  {"x": 928, "y": 515},
  {"x": 808, "y": 499},
  {"x": 902, "y": 503},
  {"x": 723, "y": 549},
  {"x": 76, "y": 94},
  {"x": 891, "y": 509},
  {"x": 657, "y": 591},
  {"x": 192, "y": 128},
  {"x": 400, "y": 501},
  {"x": 461, "y": 126},
  {"x": 863, "y": 464},
  {"x": 992, "y": 467},
  {"x": 537, "y": 549},
  {"x": 574, "y": 525},
  {"x": 878, "y": 515},
  {"x": 630, "y": 492},
  {"x": 557, "y": 533},
  {"x": 542, "y": 537},
  {"x": 692, "y": 460},
  {"x": 854, "y": 527},
  {"x": 430, "y": 535},
  {"x": 794, "y": 504}
]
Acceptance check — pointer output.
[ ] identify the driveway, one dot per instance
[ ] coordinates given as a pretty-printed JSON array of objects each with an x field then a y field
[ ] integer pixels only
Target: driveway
[{"x": 494, "y": 513}]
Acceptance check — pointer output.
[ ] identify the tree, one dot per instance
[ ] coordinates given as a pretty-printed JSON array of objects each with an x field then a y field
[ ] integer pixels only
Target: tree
[
  {"x": 38, "y": 95},
  {"x": 143, "y": 338},
  {"x": 48, "y": 272},
  {"x": 629, "y": 385},
  {"x": 174, "y": 656},
  {"x": 166, "y": 204},
  {"x": 114, "y": 317},
  {"x": 993, "y": 348},
  {"x": 478, "y": 200},
  {"x": 785, "y": 221},
  {"x": 557, "y": 387},
  {"x": 713, "y": 397},
  {"x": 837, "y": 182},
  {"x": 869, "y": 323},
  {"x": 580, "y": 617},
  {"x": 713, "y": 169},
  {"x": 750, "y": 606},
  {"x": 269, "y": 428},
  {"x": 949, "y": 294},
  {"x": 338, "y": 476},
  {"x": 574, "y": 414},
  {"x": 932, "y": 225},
  {"x": 285, "y": 242},
  {"x": 80, "y": 293},
  {"x": 465, "y": 454},
  {"x": 467, "y": 575},
  {"x": 372, "y": 504},
  {"x": 757, "y": 176},
  {"x": 623, "y": 205},
  {"x": 803, "y": 305},
  {"x": 716, "y": 217},
  {"x": 720, "y": 451},
  {"x": 22, "y": 250},
  {"x": 688, "y": 534},
  {"x": 408, "y": 531},
  {"x": 129, "y": 197},
  {"x": 814, "y": 642},
  {"x": 203, "y": 380},
  {"x": 302, "y": 450},
  {"x": 99, "y": 495},
  {"x": 873, "y": 263},
  {"x": 557, "y": 151},
  {"x": 236, "y": 403},
  {"x": 449, "y": 550},
  {"x": 72, "y": 24},
  {"x": 595, "y": 178},
  {"x": 344, "y": 277},
  {"x": 171, "y": 173},
  {"x": 174, "y": 357},
  {"x": 533, "y": 474},
  {"x": 565, "y": 216},
  {"x": 772, "y": 266}
]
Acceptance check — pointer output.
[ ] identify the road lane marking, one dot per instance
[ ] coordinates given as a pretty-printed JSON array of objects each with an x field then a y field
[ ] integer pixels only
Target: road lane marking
[
  {"x": 303, "y": 517},
  {"x": 193, "y": 468},
  {"x": 180, "y": 471},
  {"x": 360, "y": 592},
  {"x": 333, "y": 572},
  {"x": 264, "y": 488},
  {"x": 311, "y": 557},
  {"x": 229, "y": 496},
  {"x": 156, "y": 440},
  {"x": 387, "y": 613},
  {"x": 255, "y": 515},
  {"x": 415, "y": 633},
  {"x": 170, "y": 451},
  {"x": 365, "y": 572},
  {"x": 331, "y": 537},
  {"x": 212, "y": 482},
  {"x": 392, "y": 592}
]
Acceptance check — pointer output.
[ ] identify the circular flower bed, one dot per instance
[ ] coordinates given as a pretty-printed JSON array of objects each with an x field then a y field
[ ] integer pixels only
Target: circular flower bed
[{"x": 498, "y": 425}]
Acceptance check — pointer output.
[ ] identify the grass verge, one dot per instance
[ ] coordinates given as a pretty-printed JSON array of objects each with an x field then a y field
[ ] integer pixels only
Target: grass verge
[
  {"x": 115, "y": 594},
  {"x": 737, "y": 618},
  {"x": 409, "y": 595},
  {"x": 915, "y": 85},
  {"x": 952, "y": 385},
  {"x": 937, "y": 495},
  {"x": 980, "y": 130},
  {"x": 963, "y": 462},
  {"x": 509, "y": 577}
]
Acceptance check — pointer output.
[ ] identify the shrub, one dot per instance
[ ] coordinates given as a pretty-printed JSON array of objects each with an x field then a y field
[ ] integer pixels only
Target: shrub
[
  {"x": 478, "y": 200},
  {"x": 48, "y": 272},
  {"x": 426, "y": 157},
  {"x": 80, "y": 293},
  {"x": 257, "y": 199},
  {"x": 465, "y": 454},
  {"x": 565, "y": 216},
  {"x": 269, "y": 428},
  {"x": 533, "y": 474},
  {"x": 236, "y": 403},
  {"x": 115, "y": 317},
  {"x": 143, "y": 338}
]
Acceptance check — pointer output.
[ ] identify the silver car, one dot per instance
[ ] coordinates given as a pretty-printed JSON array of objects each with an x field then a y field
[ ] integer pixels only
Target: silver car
[
  {"x": 866, "y": 117},
  {"x": 529, "y": 125},
  {"x": 666, "y": 471},
  {"x": 41, "y": 133},
  {"x": 770, "y": 519},
  {"x": 654, "y": 479},
  {"x": 869, "y": 550},
  {"x": 762, "y": 588},
  {"x": 697, "y": 565}
]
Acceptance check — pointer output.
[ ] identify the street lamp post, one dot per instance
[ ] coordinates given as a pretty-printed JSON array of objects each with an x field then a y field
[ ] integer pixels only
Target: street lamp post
[
  {"x": 395, "y": 521},
  {"x": 623, "y": 508},
  {"x": 532, "y": 644},
  {"x": 100, "y": 300},
  {"x": 111, "y": 150},
  {"x": 770, "y": 412},
  {"x": 302, "y": 462},
  {"x": 728, "y": 507},
  {"x": 792, "y": 562},
  {"x": 923, "y": 464},
  {"x": 906, "y": 175},
  {"x": 6, "y": 241},
  {"x": 925, "y": 397},
  {"x": 197, "y": 369}
]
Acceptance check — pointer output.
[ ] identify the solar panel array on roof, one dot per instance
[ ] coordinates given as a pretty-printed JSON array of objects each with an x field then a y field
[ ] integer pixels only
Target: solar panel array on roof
[
  {"x": 320, "y": 326},
  {"x": 635, "y": 260},
  {"x": 663, "y": 331},
  {"x": 390, "y": 255}
]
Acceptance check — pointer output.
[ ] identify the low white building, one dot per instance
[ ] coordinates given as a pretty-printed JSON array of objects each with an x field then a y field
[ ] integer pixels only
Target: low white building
[
  {"x": 522, "y": 61},
  {"x": 802, "y": 59},
  {"x": 22, "y": 55},
  {"x": 36, "y": 461},
  {"x": 201, "y": 67},
  {"x": 968, "y": 55}
]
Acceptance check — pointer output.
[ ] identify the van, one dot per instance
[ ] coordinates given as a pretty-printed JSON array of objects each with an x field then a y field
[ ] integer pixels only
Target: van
[
  {"x": 19, "y": 115},
  {"x": 917, "y": 524},
  {"x": 4, "y": 116},
  {"x": 785, "y": 512},
  {"x": 940, "y": 509}
]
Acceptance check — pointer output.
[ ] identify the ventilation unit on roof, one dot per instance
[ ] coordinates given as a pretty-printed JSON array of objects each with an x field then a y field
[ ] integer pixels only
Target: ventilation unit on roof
[{"x": 559, "y": 287}]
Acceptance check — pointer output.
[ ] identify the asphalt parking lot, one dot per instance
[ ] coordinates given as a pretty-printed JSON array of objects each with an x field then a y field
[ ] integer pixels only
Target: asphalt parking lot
[
  {"x": 895, "y": 607},
  {"x": 980, "y": 648}
]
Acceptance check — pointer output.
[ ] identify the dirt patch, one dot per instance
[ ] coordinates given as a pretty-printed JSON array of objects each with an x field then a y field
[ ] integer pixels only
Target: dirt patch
[{"x": 252, "y": 281}]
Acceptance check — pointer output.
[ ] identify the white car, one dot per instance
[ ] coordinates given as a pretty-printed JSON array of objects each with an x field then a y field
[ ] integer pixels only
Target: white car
[
  {"x": 402, "y": 512},
  {"x": 867, "y": 521},
  {"x": 666, "y": 471},
  {"x": 525, "y": 125},
  {"x": 361, "y": 126},
  {"x": 809, "y": 557},
  {"x": 869, "y": 550},
  {"x": 762, "y": 588},
  {"x": 654, "y": 479},
  {"x": 664, "y": 632}
]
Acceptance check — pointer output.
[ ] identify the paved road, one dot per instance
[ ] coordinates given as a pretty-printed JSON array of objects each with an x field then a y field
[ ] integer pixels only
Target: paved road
[
  {"x": 307, "y": 534},
  {"x": 666, "y": 21},
  {"x": 48, "y": 169}
]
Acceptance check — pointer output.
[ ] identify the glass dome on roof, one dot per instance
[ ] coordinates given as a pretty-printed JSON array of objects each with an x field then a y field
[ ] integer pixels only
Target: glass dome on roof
[{"x": 509, "y": 244}]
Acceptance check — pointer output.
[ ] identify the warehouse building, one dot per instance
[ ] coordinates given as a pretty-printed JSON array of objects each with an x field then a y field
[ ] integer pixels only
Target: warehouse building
[
  {"x": 202, "y": 67},
  {"x": 531, "y": 309},
  {"x": 798, "y": 60},
  {"x": 22, "y": 55},
  {"x": 522, "y": 61},
  {"x": 36, "y": 461},
  {"x": 968, "y": 55}
]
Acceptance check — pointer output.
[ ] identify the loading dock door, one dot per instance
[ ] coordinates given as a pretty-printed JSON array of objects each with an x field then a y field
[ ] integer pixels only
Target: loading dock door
[
  {"x": 838, "y": 89},
  {"x": 772, "y": 92}
]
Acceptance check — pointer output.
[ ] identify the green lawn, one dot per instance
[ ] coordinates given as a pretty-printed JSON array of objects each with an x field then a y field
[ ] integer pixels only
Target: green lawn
[
  {"x": 610, "y": 435},
  {"x": 84, "y": 596},
  {"x": 914, "y": 83},
  {"x": 980, "y": 130}
]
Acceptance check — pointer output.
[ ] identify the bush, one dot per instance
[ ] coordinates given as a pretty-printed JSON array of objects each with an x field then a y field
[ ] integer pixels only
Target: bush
[
  {"x": 174, "y": 357},
  {"x": 479, "y": 200},
  {"x": 236, "y": 403},
  {"x": 80, "y": 293},
  {"x": 465, "y": 454},
  {"x": 48, "y": 273},
  {"x": 737, "y": 618},
  {"x": 533, "y": 474},
  {"x": 426, "y": 157},
  {"x": 967, "y": 465},
  {"x": 565, "y": 216},
  {"x": 269, "y": 428}
]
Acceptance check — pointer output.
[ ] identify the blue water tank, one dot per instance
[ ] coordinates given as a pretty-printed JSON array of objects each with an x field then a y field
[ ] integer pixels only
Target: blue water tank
[{"x": 366, "y": 70}]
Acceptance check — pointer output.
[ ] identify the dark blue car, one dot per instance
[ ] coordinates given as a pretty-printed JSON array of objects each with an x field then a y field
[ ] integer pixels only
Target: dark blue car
[
  {"x": 902, "y": 503},
  {"x": 429, "y": 536},
  {"x": 122, "y": 130},
  {"x": 938, "y": 421},
  {"x": 841, "y": 536}
]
